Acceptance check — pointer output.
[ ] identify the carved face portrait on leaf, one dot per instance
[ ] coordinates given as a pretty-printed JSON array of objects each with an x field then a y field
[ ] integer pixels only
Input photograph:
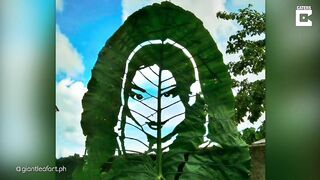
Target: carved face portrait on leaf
[
  {"x": 158, "y": 92},
  {"x": 155, "y": 96}
]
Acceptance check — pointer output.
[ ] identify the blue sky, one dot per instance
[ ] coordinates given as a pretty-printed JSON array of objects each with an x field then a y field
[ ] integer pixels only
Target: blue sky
[
  {"x": 84, "y": 26},
  {"x": 88, "y": 24}
]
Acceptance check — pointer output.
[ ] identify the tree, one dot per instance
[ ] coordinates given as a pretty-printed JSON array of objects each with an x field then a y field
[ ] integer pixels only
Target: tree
[
  {"x": 250, "y": 135},
  {"x": 250, "y": 99}
]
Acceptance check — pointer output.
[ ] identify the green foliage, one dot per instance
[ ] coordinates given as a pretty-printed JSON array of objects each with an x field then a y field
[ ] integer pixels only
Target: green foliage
[
  {"x": 250, "y": 99},
  {"x": 102, "y": 103},
  {"x": 250, "y": 135},
  {"x": 71, "y": 163}
]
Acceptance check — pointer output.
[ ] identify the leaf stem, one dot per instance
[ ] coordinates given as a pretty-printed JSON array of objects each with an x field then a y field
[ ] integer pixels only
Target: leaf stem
[{"x": 159, "y": 126}]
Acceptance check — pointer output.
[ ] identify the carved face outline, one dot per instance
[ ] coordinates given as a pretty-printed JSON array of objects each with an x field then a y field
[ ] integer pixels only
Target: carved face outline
[
  {"x": 195, "y": 89},
  {"x": 143, "y": 100}
]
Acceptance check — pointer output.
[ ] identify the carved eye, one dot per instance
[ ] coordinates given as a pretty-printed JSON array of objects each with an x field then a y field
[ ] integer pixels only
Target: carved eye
[
  {"x": 138, "y": 96},
  {"x": 167, "y": 94},
  {"x": 172, "y": 93}
]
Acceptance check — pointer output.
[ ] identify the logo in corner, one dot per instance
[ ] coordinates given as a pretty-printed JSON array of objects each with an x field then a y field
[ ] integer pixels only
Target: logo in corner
[{"x": 302, "y": 16}]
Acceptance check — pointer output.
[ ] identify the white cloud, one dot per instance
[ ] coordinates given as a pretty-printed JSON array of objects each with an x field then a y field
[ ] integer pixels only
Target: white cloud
[
  {"x": 69, "y": 137},
  {"x": 243, "y": 3},
  {"x": 59, "y": 5},
  {"x": 68, "y": 59}
]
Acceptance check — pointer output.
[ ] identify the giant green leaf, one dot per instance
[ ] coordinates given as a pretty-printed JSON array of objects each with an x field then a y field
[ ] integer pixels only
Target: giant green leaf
[{"x": 167, "y": 37}]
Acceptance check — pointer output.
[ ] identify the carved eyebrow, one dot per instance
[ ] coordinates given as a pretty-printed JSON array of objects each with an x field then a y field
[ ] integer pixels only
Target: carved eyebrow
[
  {"x": 169, "y": 87},
  {"x": 134, "y": 86}
]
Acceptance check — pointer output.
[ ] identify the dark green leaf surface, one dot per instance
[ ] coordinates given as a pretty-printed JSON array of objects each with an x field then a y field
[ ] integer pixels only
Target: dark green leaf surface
[{"x": 184, "y": 160}]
